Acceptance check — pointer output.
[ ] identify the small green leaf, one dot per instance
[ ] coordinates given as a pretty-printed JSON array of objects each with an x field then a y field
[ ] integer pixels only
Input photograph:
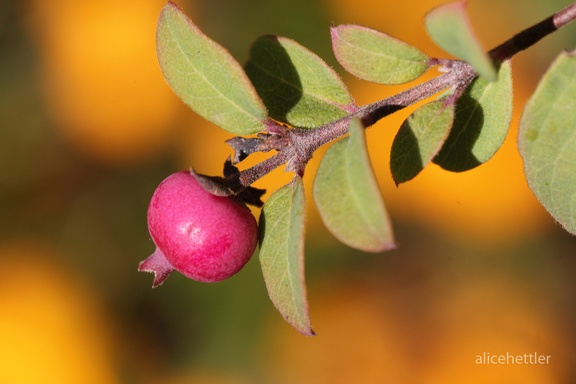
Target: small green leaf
[
  {"x": 419, "y": 139},
  {"x": 296, "y": 85},
  {"x": 348, "y": 198},
  {"x": 449, "y": 27},
  {"x": 375, "y": 56},
  {"x": 205, "y": 76},
  {"x": 481, "y": 122},
  {"x": 282, "y": 254},
  {"x": 547, "y": 141}
]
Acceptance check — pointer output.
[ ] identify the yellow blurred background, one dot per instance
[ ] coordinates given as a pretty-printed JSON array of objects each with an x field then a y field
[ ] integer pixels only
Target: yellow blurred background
[{"x": 89, "y": 128}]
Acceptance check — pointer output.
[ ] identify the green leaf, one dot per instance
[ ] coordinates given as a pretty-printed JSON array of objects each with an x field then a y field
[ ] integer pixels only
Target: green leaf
[
  {"x": 348, "y": 198},
  {"x": 205, "y": 76},
  {"x": 481, "y": 122},
  {"x": 282, "y": 253},
  {"x": 375, "y": 56},
  {"x": 449, "y": 27},
  {"x": 547, "y": 141},
  {"x": 419, "y": 139},
  {"x": 297, "y": 87}
]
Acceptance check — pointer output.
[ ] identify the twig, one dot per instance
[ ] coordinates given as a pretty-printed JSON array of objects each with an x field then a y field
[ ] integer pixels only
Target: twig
[{"x": 302, "y": 143}]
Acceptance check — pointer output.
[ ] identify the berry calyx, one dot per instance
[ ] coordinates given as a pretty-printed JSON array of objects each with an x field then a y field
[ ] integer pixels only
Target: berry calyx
[{"x": 205, "y": 237}]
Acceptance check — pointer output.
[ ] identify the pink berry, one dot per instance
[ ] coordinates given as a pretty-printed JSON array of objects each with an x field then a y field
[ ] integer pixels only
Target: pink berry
[{"x": 205, "y": 237}]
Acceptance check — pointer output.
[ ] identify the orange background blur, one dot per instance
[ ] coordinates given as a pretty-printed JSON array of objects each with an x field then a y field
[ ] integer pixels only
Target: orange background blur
[{"x": 88, "y": 128}]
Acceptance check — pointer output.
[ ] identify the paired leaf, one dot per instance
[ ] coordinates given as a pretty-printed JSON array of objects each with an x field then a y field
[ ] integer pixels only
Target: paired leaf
[
  {"x": 282, "y": 253},
  {"x": 419, "y": 139},
  {"x": 449, "y": 27},
  {"x": 375, "y": 56},
  {"x": 296, "y": 86},
  {"x": 205, "y": 76},
  {"x": 348, "y": 198},
  {"x": 481, "y": 122},
  {"x": 547, "y": 141}
]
